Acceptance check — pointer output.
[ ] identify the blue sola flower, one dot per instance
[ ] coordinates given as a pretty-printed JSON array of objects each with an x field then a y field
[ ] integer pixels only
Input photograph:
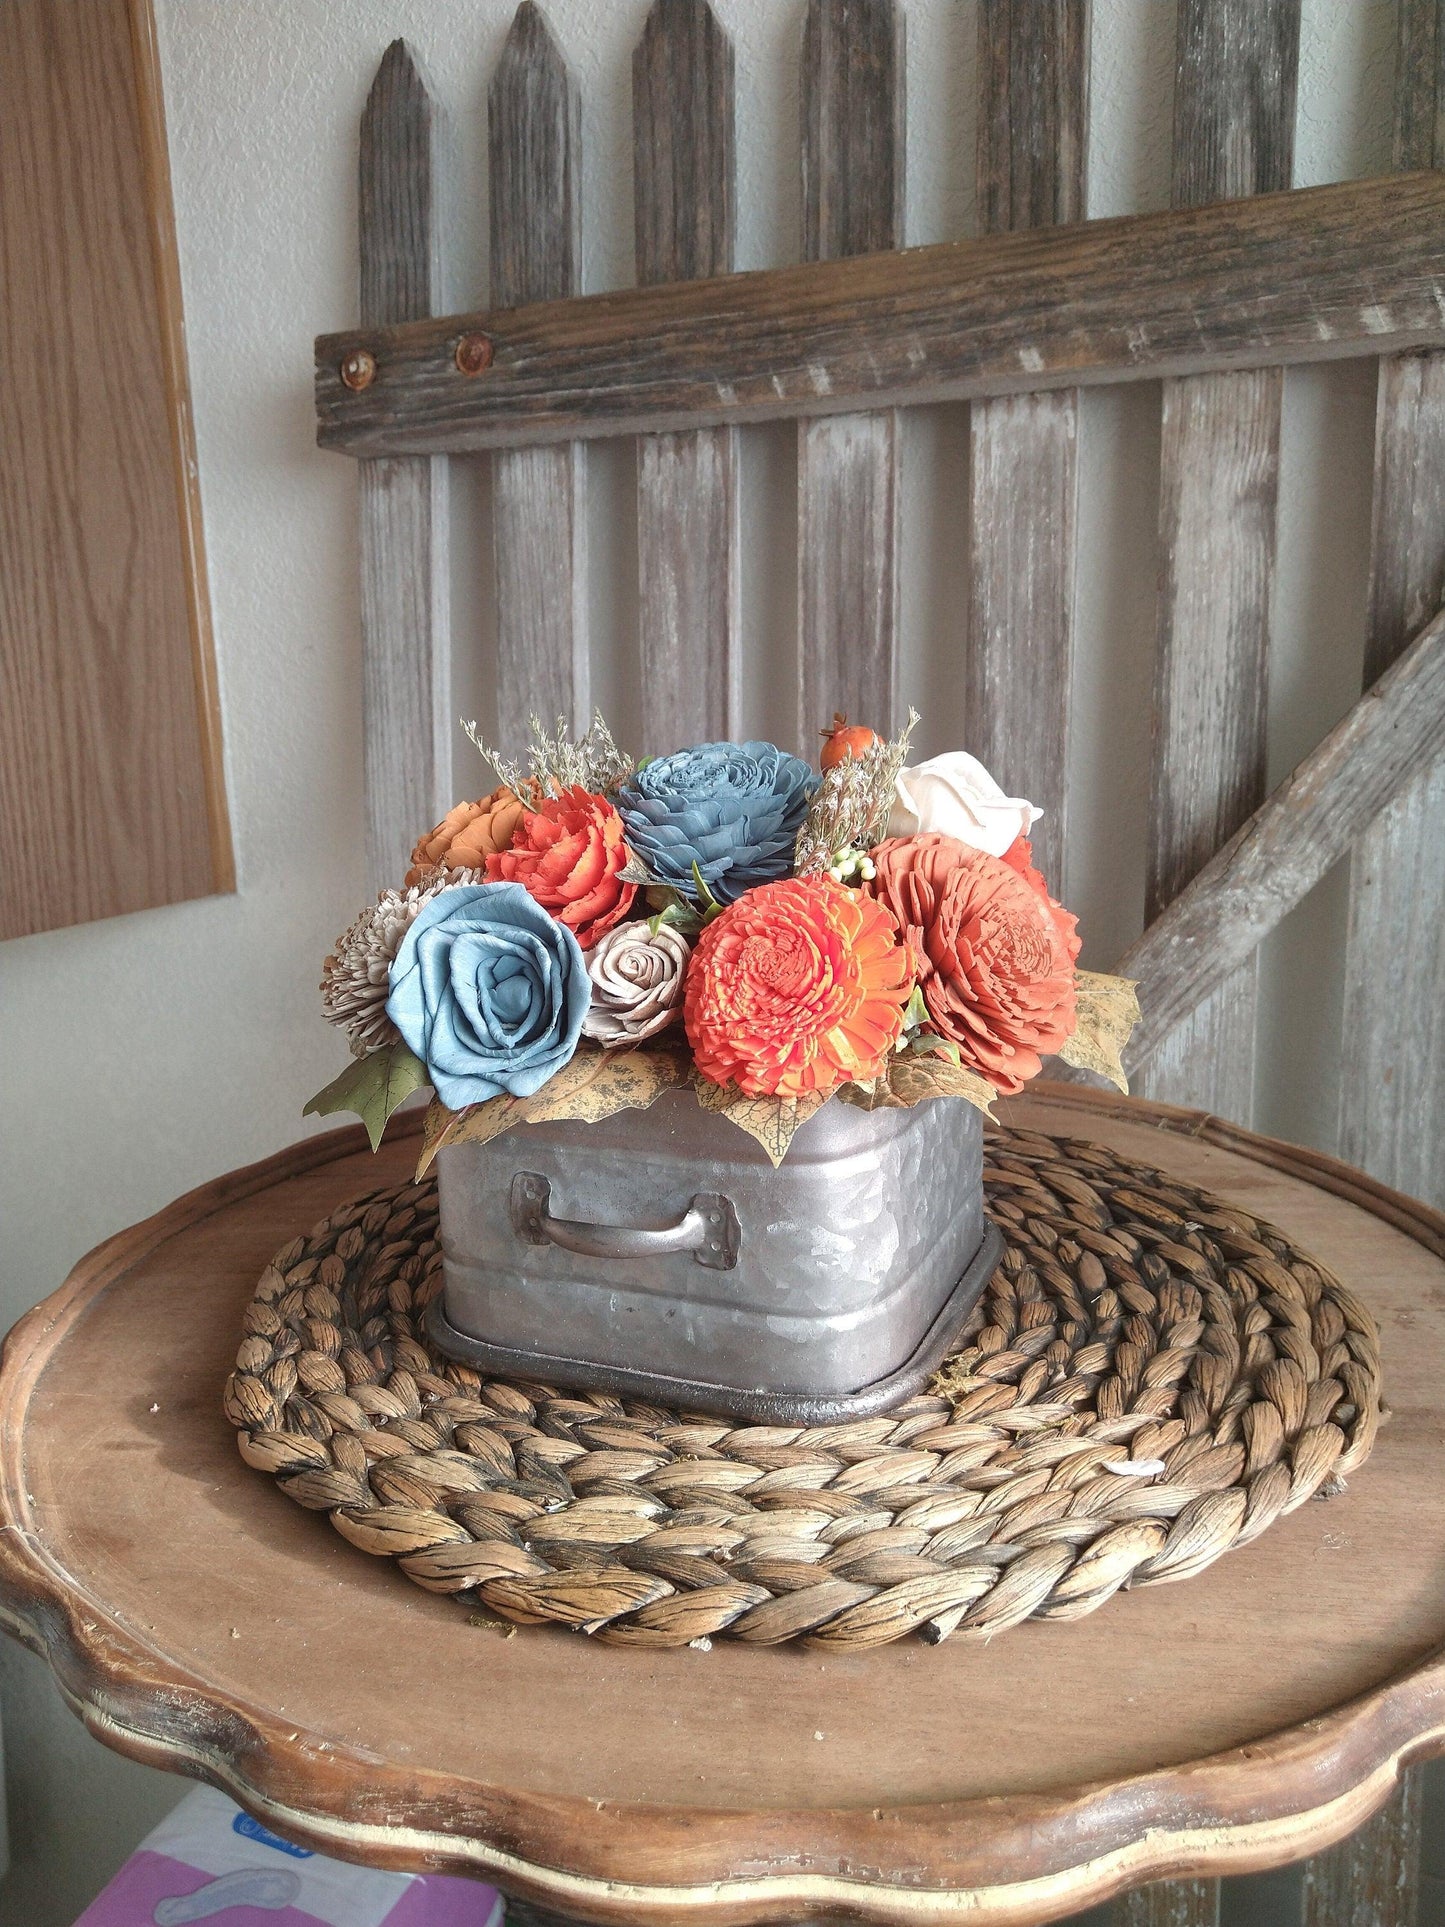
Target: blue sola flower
[
  {"x": 733, "y": 809},
  {"x": 489, "y": 991}
]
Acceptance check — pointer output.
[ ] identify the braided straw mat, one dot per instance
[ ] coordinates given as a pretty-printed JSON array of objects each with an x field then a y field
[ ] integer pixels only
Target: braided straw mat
[{"x": 1152, "y": 1377}]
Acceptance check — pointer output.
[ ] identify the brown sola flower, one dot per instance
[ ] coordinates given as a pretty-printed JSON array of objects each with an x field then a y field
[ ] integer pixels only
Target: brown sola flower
[
  {"x": 467, "y": 836},
  {"x": 356, "y": 977}
]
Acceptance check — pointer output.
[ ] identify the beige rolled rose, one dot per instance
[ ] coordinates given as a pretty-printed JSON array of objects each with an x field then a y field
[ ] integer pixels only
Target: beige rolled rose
[{"x": 637, "y": 981}]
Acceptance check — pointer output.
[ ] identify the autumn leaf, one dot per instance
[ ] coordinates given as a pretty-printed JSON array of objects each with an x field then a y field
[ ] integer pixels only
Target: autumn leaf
[
  {"x": 477, "y": 1124},
  {"x": 1107, "y": 1011},
  {"x": 372, "y": 1086},
  {"x": 563, "y": 1088},
  {"x": 592, "y": 1085},
  {"x": 917, "y": 1075},
  {"x": 877, "y": 1096},
  {"x": 611, "y": 1081},
  {"x": 770, "y": 1120}
]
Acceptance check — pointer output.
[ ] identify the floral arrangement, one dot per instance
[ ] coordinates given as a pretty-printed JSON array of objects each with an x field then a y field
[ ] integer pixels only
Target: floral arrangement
[{"x": 596, "y": 930}]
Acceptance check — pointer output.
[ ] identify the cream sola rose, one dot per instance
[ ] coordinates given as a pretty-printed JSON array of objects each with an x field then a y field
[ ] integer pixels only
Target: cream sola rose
[
  {"x": 637, "y": 981},
  {"x": 954, "y": 795}
]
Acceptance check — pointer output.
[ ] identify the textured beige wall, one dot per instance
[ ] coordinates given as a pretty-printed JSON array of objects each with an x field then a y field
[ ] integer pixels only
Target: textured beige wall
[{"x": 145, "y": 1055}]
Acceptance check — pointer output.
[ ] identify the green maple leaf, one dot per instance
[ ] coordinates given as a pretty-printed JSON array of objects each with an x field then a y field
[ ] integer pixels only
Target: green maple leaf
[{"x": 372, "y": 1086}]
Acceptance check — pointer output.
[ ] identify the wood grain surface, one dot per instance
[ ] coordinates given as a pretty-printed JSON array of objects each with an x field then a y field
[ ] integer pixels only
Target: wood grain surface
[
  {"x": 199, "y": 1620},
  {"x": 107, "y": 674},
  {"x": 1234, "y": 112},
  {"x": 539, "y": 524},
  {"x": 850, "y": 466},
  {"x": 1374, "y": 755},
  {"x": 1023, "y": 471},
  {"x": 688, "y": 565},
  {"x": 1392, "y": 1088},
  {"x": 405, "y": 590},
  {"x": 1171, "y": 1903},
  {"x": 1372, "y": 1879},
  {"x": 1312, "y": 275}
]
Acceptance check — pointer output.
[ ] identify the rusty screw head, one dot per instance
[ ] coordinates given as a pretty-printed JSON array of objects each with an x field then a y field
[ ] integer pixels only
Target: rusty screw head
[
  {"x": 358, "y": 368},
  {"x": 474, "y": 353}
]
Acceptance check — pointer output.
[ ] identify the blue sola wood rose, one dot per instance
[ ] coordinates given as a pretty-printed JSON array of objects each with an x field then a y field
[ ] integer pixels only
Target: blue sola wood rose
[
  {"x": 489, "y": 991},
  {"x": 733, "y": 809}
]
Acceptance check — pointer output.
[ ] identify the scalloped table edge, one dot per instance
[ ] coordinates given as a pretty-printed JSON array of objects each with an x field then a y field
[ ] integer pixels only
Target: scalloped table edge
[{"x": 1304, "y": 1787}]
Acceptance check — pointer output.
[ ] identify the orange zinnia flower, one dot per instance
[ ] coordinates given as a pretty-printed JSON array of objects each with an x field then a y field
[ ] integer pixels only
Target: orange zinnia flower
[
  {"x": 993, "y": 962},
  {"x": 796, "y": 988},
  {"x": 567, "y": 853},
  {"x": 466, "y": 836}
]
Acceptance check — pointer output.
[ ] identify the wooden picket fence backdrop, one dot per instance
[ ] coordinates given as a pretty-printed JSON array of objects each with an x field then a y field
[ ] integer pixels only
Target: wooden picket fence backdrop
[{"x": 1212, "y": 303}]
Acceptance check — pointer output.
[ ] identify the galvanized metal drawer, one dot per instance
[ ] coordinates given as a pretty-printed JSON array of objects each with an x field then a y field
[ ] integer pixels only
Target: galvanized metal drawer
[{"x": 659, "y": 1253}]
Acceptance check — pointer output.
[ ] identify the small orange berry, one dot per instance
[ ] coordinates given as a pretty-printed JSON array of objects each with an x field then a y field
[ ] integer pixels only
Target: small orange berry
[{"x": 840, "y": 742}]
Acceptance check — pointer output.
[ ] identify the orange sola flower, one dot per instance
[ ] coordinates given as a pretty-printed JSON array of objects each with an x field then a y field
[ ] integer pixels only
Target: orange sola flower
[
  {"x": 796, "y": 988},
  {"x": 569, "y": 854}
]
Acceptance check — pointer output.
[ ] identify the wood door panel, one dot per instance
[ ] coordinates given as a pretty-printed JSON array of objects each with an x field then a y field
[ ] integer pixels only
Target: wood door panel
[{"x": 111, "y": 788}]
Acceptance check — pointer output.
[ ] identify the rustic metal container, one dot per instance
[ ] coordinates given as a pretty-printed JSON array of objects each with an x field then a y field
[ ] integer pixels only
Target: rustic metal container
[{"x": 659, "y": 1254}]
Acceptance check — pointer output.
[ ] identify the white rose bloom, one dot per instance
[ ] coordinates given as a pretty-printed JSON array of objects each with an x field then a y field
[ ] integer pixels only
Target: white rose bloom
[{"x": 954, "y": 795}]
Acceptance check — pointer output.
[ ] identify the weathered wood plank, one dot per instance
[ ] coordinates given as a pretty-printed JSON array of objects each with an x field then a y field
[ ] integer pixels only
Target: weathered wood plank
[
  {"x": 1237, "y": 65},
  {"x": 688, "y": 575},
  {"x": 1219, "y": 475},
  {"x": 1171, "y": 1903},
  {"x": 1419, "y": 134},
  {"x": 1313, "y": 275},
  {"x": 1023, "y": 473},
  {"x": 1371, "y": 1879},
  {"x": 849, "y": 493},
  {"x": 1292, "y": 841},
  {"x": 534, "y": 119},
  {"x": 1033, "y": 128},
  {"x": 405, "y": 608},
  {"x": 1233, "y": 136},
  {"x": 1392, "y": 1105},
  {"x": 1392, "y": 1094}
]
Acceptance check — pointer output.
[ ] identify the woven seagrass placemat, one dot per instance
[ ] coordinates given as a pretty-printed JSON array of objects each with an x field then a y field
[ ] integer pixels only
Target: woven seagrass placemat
[{"x": 1152, "y": 1378}]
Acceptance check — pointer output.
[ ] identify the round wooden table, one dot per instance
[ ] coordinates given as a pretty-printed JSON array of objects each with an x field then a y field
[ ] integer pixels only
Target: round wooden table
[{"x": 198, "y": 1620}]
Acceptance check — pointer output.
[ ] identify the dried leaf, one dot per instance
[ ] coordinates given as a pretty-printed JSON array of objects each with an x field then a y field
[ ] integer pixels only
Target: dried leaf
[
  {"x": 372, "y": 1086},
  {"x": 613, "y": 1080},
  {"x": 477, "y": 1124},
  {"x": 917, "y": 1075},
  {"x": 1108, "y": 1010},
  {"x": 564, "y": 1089},
  {"x": 770, "y": 1120},
  {"x": 594, "y": 1084},
  {"x": 877, "y": 1096}
]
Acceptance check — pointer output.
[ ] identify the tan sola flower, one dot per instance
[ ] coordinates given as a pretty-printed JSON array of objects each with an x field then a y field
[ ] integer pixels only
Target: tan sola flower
[
  {"x": 467, "y": 836},
  {"x": 356, "y": 977},
  {"x": 637, "y": 981}
]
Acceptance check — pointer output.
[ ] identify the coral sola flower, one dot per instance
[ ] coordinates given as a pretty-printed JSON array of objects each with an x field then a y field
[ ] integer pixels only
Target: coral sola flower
[
  {"x": 994, "y": 960},
  {"x": 796, "y": 988},
  {"x": 568, "y": 854}
]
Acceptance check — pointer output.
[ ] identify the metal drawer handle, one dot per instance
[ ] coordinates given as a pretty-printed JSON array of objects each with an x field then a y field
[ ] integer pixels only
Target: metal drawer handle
[{"x": 708, "y": 1228}]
